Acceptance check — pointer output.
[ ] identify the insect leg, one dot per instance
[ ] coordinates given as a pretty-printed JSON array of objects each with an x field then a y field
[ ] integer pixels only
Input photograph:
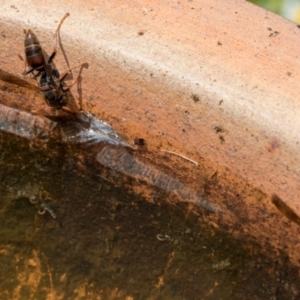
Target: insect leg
[
  {"x": 64, "y": 75},
  {"x": 55, "y": 37}
]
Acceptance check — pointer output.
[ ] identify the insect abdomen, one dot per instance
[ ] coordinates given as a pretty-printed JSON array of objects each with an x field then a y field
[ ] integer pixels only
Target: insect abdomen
[{"x": 33, "y": 51}]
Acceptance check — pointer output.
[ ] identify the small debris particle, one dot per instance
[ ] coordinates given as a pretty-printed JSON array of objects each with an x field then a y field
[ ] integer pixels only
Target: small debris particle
[
  {"x": 218, "y": 129},
  {"x": 195, "y": 97},
  {"x": 273, "y": 145},
  {"x": 20, "y": 56},
  {"x": 139, "y": 142},
  {"x": 214, "y": 175},
  {"x": 162, "y": 237},
  {"x": 222, "y": 140},
  {"x": 141, "y": 32},
  {"x": 188, "y": 231},
  {"x": 222, "y": 264},
  {"x": 219, "y": 44},
  {"x": 285, "y": 209},
  {"x": 182, "y": 156},
  {"x": 273, "y": 34}
]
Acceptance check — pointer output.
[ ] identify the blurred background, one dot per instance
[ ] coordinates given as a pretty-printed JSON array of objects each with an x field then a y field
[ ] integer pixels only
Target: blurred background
[{"x": 289, "y": 9}]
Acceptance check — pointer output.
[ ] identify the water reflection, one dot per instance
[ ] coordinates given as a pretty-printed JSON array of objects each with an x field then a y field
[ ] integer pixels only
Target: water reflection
[{"x": 118, "y": 159}]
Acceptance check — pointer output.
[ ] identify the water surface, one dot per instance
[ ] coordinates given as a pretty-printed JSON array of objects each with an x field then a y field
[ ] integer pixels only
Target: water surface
[{"x": 99, "y": 240}]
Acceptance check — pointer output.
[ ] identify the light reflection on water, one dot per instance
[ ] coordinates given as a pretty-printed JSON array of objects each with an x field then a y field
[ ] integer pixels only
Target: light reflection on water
[
  {"x": 84, "y": 129},
  {"x": 118, "y": 159}
]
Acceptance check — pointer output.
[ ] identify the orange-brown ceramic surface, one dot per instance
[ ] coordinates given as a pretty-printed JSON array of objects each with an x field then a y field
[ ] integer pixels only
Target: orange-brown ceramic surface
[{"x": 214, "y": 82}]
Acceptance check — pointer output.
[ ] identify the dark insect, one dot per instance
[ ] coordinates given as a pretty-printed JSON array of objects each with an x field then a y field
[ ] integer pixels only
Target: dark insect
[
  {"x": 55, "y": 98},
  {"x": 52, "y": 88},
  {"x": 50, "y": 81}
]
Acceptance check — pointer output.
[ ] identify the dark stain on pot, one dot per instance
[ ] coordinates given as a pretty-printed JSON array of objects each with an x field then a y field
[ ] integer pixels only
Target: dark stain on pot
[
  {"x": 285, "y": 209},
  {"x": 195, "y": 97}
]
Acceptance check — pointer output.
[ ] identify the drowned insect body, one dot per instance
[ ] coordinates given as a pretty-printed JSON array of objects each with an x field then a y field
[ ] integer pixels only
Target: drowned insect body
[{"x": 50, "y": 81}]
